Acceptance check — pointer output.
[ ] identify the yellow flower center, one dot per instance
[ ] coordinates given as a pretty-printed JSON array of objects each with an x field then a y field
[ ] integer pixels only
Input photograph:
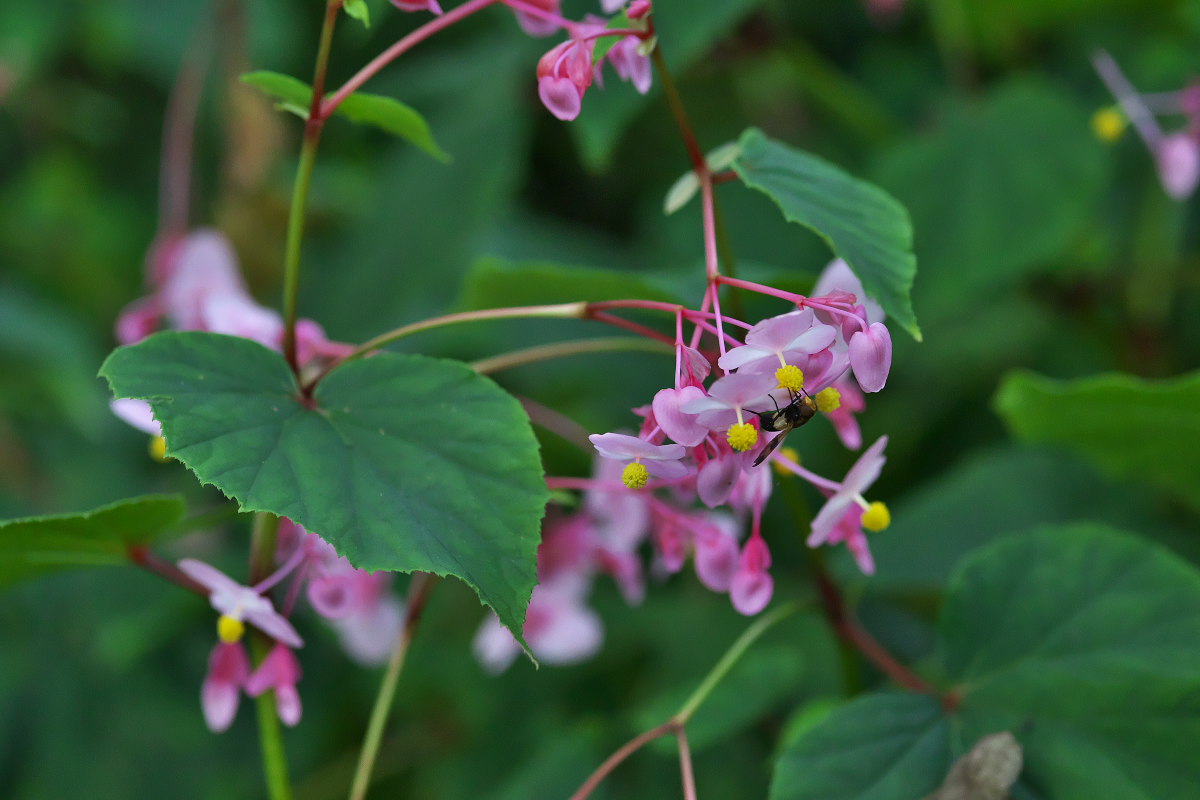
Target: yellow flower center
[
  {"x": 742, "y": 436},
  {"x": 1108, "y": 124},
  {"x": 230, "y": 629},
  {"x": 158, "y": 449},
  {"x": 790, "y": 377},
  {"x": 876, "y": 517},
  {"x": 828, "y": 400},
  {"x": 635, "y": 475}
]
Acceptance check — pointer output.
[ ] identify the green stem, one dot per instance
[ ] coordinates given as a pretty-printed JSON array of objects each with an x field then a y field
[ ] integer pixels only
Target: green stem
[
  {"x": 735, "y": 652},
  {"x": 418, "y": 593},
  {"x": 561, "y": 311},
  {"x": 270, "y": 735},
  {"x": 545, "y": 352},
  {"x": 262, "y": 546},
  {"x": 308, "y": 155}
]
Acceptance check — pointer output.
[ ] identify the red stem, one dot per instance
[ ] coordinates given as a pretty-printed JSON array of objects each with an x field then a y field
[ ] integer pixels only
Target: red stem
[
  {"x": 387, "y": 56},
  {"x": 142, "y": 557},
  {"x": 625, "y": 751},
  {"x": 685, "y": 764}
]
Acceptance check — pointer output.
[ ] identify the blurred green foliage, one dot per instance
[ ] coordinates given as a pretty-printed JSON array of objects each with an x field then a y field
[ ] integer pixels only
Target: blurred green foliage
[{"x": 1037, "y": 248}]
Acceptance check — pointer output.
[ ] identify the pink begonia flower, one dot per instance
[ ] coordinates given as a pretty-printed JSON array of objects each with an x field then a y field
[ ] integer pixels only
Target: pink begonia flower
[
  {"x": 695, "y": 364},
  {"x": 849, "y": 530},
  {"x": 536, "y": 24},
  {"x": 558, "y": 627},
  {"x": 564, "y": 73},
  {"x": 630, "y": 64},
  {"x": 842, "y": 417},
  {"x": 773, "y": 338},
  {"x": 751, "y": 587},
  {"x": 727, "y": 396},
  {"x": 369, "y": 636},
  {"x": 681, "y": 427},
  {"x": 662, "y": 461},
  {"x": 239, "y": 602},
  {"x": 618, "y": 519},
  {"x": 279, "y": 671},
  {"x": 228, "y": 668},
  {"x": 871, "y": 356},
  {"x": 205, "y": 266},
  {"x": 716, "y": 479},
  {"x": 838, "y": 277},
  {"x": 849, "y": 495},
  {"x": 1177, "y": 157},
  {"x": 136, "y": 413},
  {"x": 418, "y": 5},
  {"x": 716, "y": 550}
]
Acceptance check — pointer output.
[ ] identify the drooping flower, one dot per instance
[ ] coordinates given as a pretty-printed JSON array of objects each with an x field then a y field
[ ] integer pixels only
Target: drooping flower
[
  {"x": 751, "y": 587},
  {"x": 228, "y": 668},
  {"x": 279, "y": 671},
  {"x": 564, "y": 73},
  {"x": 1177, "y": 158}
]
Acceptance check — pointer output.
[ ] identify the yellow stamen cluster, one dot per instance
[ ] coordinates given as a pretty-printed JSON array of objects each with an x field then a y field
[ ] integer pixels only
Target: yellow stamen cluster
[
  {"x": 230, "y": 629},
  {"x": 158, "y": 449},
  {"x": 790, "y": 377},
  {"x": 742, "y": 436},
  {"x": 791, "y": 455},
  {"x": 876, "y": 517},
  {"x": 1108, "y": 124},
  {"x": 828, "y": 400},
  {"x": 635, "y": 475}
]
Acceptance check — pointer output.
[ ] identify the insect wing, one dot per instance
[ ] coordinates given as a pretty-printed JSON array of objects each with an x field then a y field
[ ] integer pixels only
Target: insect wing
[{"x": 770, "y": 448}]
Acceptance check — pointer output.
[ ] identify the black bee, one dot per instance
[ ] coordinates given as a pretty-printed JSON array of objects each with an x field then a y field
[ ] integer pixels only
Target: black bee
[{"x": 800, "y": 410}]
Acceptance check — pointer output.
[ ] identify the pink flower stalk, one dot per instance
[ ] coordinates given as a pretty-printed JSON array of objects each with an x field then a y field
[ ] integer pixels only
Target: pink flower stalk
[
  {"x": 533, "y": 23},
  {"x": 228, "y": 669},
  {"x": 279, "y": 671},
  {"x": 240, "y": 603},
  {"x": 843, "y": 516},
  {"x": 418, "y": 5}
]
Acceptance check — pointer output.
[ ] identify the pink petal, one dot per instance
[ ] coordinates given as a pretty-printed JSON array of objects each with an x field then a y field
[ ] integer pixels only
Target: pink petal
[
  {"x": 681, "y": 427},
  {"x": 1178, "y": 160},
  {"x": 716, "y": 479},
  {"x": 236, "y": 314},
  {"x": 750, "y": 591},
  {"x": 871, "y": 356},
  {"x": 275, "y": 625},
  {"x": 560, "y": 97},
  {"x": 138, "y": 320},
  {"x": 494, "y": 647},
  {"x": 369, "y": 636},
  {"x": 287, "y": 705},
  {"x": 209, "y": 577},
  {"x": 138, "y": 414},
  {"x": 568, "y": 634},
  {"x": 228, "y": 668},
  {"x": 205, "y": 265},
  {"x": 867, "y": 468},
  {"x": 716, "y": 557},
  {"x": 279, "y": 668},
  {"x": 333, "y": 596}
]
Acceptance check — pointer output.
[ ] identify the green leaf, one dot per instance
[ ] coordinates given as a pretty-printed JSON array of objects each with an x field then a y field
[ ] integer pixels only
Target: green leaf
[
  {"x": 860, "y": 222},
  {"x": 403, "y": 463},
  {"x": 1082, "y": 641},
  {"x": 1129, "y": 427},
  {"x": 357, "y": 9},
  {"x": 495, "y": 283},
  {"x": 36, "y": 545},
  {"x": 1079, "y": 640},
  {"x": 878, "y": 747},
  {"x": 385, "y": 113}
]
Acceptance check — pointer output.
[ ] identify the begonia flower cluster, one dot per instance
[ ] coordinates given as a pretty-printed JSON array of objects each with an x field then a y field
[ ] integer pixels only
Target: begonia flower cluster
[{"x": 688, "y": 485}]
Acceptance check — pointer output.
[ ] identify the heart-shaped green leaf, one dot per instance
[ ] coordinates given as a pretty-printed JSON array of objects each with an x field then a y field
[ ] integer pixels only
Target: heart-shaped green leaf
[
  {"x": 861, "y": 223},
  {"x": 1079, "y": 640},
  {"x": 32, "y": 546},
  {"x": 402, "y": 462}
]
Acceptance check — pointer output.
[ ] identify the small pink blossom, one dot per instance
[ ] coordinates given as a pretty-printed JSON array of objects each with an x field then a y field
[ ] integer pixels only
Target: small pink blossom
[
  {"x": 1177, "y": 157},
  {"x": 630, "y": 64},
  {"x": 680, "y": 426},
  {"x": 538, "y": 24},
  {"x": 662, "y": 461},
  {"x": 564, "y": 73},
  {"x": 774, "y": 339},
  {"x": 279, "y": 671},
  {"x": 242, "y": 603},
  {"x": 751, "y": 586},
  {"x": 716, "y": 553},
  {"x": 228, "y": 669}
]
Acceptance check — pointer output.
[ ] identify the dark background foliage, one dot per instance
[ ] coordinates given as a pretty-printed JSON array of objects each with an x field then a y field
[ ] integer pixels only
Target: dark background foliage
[{"x": 1038, "y": 247}]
